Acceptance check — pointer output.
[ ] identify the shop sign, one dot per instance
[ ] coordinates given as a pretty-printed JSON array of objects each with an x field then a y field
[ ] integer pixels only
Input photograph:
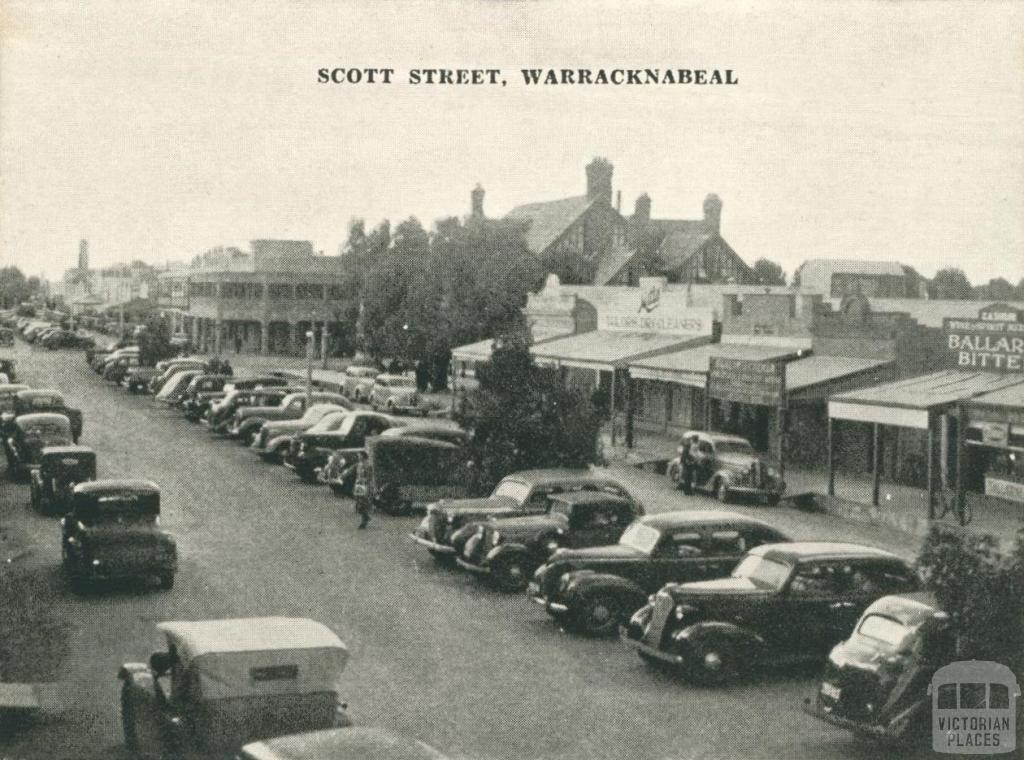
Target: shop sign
[
  {"x": 1004, "y": 489},
  {"x": 994, "y": 342},
  {"x": 652, "y": 308},
  {"x": 747, "y": 381}
]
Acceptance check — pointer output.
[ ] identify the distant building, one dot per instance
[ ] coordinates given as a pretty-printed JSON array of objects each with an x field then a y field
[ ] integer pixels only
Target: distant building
[
  {"x": 837, "y": 278},
  {"x": 262, "y": 300}
]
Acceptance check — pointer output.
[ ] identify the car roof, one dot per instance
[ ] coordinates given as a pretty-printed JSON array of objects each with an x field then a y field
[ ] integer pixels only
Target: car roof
[
  {"x": 910, "y": 609},
  {"x": 258, "y": 634},
  {"x": 559, "y": 475},
  {"x": 587, "y": 497},
  {"x": 117, "y": 485},
  {"x": 12, "y": 388},
  {"x": 697, "y": 517},
  {"x": 354, "y": 743},
  {"x": 39, "y": 417},
  {"x": 798, "y": 551},
  {"x": 716, "y": 437},
  {"x": 39, "y": 392}
]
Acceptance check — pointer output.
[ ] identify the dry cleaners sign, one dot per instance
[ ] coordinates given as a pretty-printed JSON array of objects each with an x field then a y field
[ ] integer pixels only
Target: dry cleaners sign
[
  {"x": 994, "y": 342},
  {"x": 652, "y": 308}
]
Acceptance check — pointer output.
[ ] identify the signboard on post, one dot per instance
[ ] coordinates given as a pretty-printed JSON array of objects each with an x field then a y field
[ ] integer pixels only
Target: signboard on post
[
  {"x": 993, "y": 342},
  {"x": 747, "y": 381}
]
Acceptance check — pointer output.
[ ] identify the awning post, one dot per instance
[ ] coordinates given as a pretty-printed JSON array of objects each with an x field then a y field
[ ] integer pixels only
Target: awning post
[
  {"x": 931, "y": 466},
  {"x": 876, "y": 461},
  {"x": 628, "y": 380},
  {"x": 612, "y": 406},
  {"x": 831, "y": 457},
  {"x": 961, "y": 452}
]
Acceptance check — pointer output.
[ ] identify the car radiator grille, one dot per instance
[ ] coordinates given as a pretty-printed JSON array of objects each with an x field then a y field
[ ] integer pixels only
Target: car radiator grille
[
  {"x": 663, "y": 606},
  {"x": 437, "y": 526}
]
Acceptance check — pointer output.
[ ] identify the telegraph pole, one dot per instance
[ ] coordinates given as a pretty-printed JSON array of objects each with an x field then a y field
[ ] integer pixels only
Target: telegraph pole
[{"x": 309, "y": 367}]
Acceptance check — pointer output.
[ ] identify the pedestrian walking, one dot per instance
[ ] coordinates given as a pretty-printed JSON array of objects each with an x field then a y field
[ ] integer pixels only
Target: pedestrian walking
[{"x": 364, "y": 502}]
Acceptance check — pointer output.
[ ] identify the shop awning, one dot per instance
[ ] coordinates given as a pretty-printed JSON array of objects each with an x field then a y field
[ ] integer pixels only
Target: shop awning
[
  {"x": 907, "y": 403},
  {"x": 605, "y": 349},
  {"x": 821, "y": 376},
  {"x": 474, "y": 352},
  {"x": 1011, "y": 396},
  {"x": 690, "y": 367}
]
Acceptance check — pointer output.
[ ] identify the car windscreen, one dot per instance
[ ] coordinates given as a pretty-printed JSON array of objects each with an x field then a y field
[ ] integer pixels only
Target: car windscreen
[
  {"x": 734, "y": 447},
  {"x": 330, "y": 421},
  {"x": 516, "y": 490},
  {"x": 640, "y": 537},
  {"x": 762, "y": 572},
  {"x": 884, "y": 629}
]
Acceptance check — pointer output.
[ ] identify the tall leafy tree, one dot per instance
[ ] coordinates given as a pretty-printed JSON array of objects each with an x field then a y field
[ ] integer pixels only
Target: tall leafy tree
[
  {"x": 950, "y": 283},
  {"x": 15, "y": 287},
  {"x": 769, "y": 273}
]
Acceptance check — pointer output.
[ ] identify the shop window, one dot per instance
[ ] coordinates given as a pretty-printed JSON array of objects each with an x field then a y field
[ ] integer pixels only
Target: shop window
[
  {"x": 309, "y": 291},
  {"x": 279, "y": 291}
]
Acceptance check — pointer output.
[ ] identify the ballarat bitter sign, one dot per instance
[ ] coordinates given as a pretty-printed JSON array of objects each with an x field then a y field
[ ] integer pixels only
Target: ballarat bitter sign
[
  {"x": 994, "y": 342},
  {"x": 746, "y": 381}
]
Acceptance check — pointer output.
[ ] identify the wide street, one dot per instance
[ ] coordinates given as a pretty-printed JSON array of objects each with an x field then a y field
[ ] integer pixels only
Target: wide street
[{"x": 434, "y": 653}]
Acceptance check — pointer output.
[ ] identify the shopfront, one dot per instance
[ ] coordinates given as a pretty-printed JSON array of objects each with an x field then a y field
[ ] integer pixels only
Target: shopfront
[{"x": 967, "y": 425}]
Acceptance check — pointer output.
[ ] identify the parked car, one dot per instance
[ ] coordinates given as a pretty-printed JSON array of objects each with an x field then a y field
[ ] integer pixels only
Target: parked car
[
  {"x": 100, "y": 361},
  {"x": 725, "y": 465},
  {"x": 393, "y": 393},
  {"x": 36, "y": 400},
  {"x": 594, "y": 590},
  {"x": 783, "y": 602},
  {"x": 275, "y": 437},
  {"x": 255, "y": 383},
  {"x": 184, "y": 365},
  {"x": 27, "y": 435},
  {"x": 508, "y": 550},
  {"x": 7, "y": 366},
  {"x": 877, "y": 682},
  {"x": 201, "y": 391},
  {"x": 137, "y": 378},
  {"x": 247, "y": 422},
  {"x": 174, "y": 389},
  {"x": 341, "y": 744},
  {"x": 60, "y": 469},
  {"x": 112, "y": 532},
  {"x": 522, "y": 493},
  {"x": 117, "y": 370},
  {"x": 406, "y": 466},
  {"x": 358, "y": 382},
  {"x": 6, "y": 336},
  {"x": 66, "y": 339},
  {"x": 221, "y": 413},
  {"x": 222, "y": 684},
  {"x": 309, "y": 451}
]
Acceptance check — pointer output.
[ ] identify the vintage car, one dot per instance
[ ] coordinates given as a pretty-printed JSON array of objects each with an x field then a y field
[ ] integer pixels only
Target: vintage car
[
  {"x": 221, "y": 413},
  {"x": 60, "y": 469},
  {"x": 117, "y": 370},
  {"x": 137, "y": 378},
  {"x": 595, "y": 590},
  {"x": 393, "y": 392},
  {"x": 341, "y": 744},
  {"x": 27, "y": 435},
  {"x": 201, "y": 391},
  {"x": 6, "y": 336},
  {"x": 101, "y": 361},
  {"x": 509, "y": 549},
  {"x": 270, "y": 380},
  {"x": 725, "y": 465},
  {"x": 358, "y": 381},
  {"x": 522, "y": 493},
  {"x": 246, "y": 424},
  {"x": 275, "y": 437},
  {"x": 36, "y": 400},
  {"x": 7, "y": 367},
  {"x": 173, "y": 391},
  {"x": 406, "y": 466},
  {"x": 783, "y": 602},
  {"x": 877, "y": 682},
  {"x": 184, "y": 365},
  {"x": 66, "y": 339},
  {"x": 222, "y": 684},
  {"x": 309, "y": 451},
  {"x": 112, "y": 532}
]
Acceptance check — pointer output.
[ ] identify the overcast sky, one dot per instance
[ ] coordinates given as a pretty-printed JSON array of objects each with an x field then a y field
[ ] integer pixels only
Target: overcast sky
[{"x": 158, "y": 130}]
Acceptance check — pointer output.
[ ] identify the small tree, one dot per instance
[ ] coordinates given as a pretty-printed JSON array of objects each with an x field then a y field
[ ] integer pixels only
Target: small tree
[
  {"x": 951, "y": 283},
  {"x": 769, "y": 273},
  {"x": 982, "y": 589},
  {"x": 155, "y": 341},
  {"x": 522, "y": 416}
]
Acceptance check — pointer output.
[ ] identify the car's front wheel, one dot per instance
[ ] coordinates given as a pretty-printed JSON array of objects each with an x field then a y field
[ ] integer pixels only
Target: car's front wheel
[
  {"x": 510, "y": 574},
  {"x": 599, "y": 616},
  {"x": 445, "y": 560},
  {"x": 128, "y": 723},
  {"x": 711, "y": 663}
]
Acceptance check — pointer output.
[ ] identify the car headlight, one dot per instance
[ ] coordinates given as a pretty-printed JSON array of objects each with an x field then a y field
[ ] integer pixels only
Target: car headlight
[
  {"x": 495, "y": 538},
  {"x": 772, "y": 472},
  {"x": 450, "y": 519}
]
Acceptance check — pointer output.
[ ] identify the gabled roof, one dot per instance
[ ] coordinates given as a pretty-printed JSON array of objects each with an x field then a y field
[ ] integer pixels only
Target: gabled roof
[
  {"x": 548, "y": 220},
  {"x": 613, "y": 262},
  {"x": 681, "y": 243}
]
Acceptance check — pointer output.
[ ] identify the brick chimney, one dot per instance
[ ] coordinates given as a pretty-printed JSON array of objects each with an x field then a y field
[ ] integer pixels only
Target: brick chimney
[
  {"x": 599, "y": 179},
  {"x": 713, "y": 213},
  {"x": 642, "y": 210},
  {"x": 477, "y": 201},
  {"x": 83, "y": 254}
]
